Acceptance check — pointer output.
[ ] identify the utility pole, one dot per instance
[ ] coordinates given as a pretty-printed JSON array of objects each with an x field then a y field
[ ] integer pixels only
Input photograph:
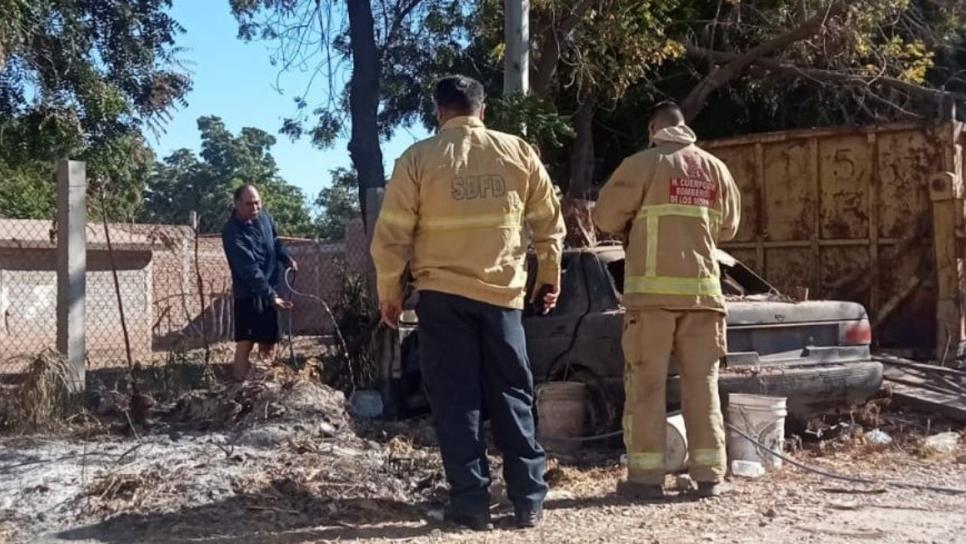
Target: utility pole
[
  {"x": 516, "y": 65},
  {"x": 72, "y": 268}
]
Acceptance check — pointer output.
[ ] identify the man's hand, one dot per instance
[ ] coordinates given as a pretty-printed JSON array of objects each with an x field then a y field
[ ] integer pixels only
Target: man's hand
[
  {"x": 390, "y": 313},
  {"x": 550, "y": 297},
  {"x": 293, "y": 265},
  {"x": 282, "y": 304}
]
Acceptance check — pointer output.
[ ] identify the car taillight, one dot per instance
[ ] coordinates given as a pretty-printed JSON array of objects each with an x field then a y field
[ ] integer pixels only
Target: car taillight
[{"x": 856, "y": 333}]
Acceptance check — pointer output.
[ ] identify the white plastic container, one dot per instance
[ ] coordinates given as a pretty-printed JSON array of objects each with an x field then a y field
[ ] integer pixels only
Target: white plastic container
[
  {"x": 561, "y": 415},
  {"x": 676, "y": 449},
  {"x": 747, "y": 469},
  {"x": 762, "y": 418}
]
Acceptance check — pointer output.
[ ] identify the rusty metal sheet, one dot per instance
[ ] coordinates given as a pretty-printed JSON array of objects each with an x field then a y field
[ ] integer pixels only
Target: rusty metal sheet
[
  {"x": 906, "y": 160},
  {"x": 841, "y": 211},
  {"x": 789, "y": 196},
  {"x": 787, "y": 268},
  {"x": 838, "y": 262},
  {"x": 913, "y": 323},
  {"x": 845, "y": 172},
  {"x": 743, "y": 169}
]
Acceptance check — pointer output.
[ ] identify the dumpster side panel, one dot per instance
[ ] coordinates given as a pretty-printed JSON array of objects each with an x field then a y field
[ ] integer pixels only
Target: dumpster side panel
[{"x": 846, "y": 213}]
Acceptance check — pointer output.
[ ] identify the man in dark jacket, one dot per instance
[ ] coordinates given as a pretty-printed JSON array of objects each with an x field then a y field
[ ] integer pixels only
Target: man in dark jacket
[{"x": 254, "y": 253}]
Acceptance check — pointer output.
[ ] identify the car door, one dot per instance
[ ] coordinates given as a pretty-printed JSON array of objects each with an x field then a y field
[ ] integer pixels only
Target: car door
[{"x": 549, "y": 336}]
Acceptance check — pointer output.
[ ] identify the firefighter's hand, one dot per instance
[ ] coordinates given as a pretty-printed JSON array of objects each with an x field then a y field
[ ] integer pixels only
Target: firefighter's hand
[
  {"x": 390, "y": 313},
  {"x": 550, "y": 297},
  {"x": 282, "y": 304}
]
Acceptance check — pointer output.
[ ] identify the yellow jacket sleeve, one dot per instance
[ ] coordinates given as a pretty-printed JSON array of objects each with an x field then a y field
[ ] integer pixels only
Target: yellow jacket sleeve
[
  {"x": 546, "y": 223},
  {"x": 392, "y": 239},
  {"x": 730, "y": 206},
  {"x": 621, "y": 198}
]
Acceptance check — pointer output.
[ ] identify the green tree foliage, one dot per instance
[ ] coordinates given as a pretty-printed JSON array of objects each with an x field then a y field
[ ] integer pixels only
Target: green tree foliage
[
  {"x": 337, "y": 205},
  {"x": 415, "y": 40},
  {"x": 769, "y": 65},
  {"x": 184, "y": 182},
  {"x": 371, "y": 62},
  {"x": 83, "y": 79},
  {"x": 27, "y": 191},
  {"x": 824, "y": 62}
]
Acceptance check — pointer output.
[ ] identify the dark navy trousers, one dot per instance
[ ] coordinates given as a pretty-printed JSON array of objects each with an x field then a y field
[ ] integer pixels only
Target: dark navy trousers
[{"x": 474, "y": 354}]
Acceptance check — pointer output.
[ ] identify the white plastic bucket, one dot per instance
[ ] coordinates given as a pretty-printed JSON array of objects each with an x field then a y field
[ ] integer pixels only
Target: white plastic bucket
[
  {"x": 762, "y": 418},
  {"x": 676, "y": 449},
  {"x": 561, "y": 415}
]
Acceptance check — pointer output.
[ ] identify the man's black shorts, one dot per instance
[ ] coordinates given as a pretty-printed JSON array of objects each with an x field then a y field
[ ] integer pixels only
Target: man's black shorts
[{"x": 256, "y": 320}]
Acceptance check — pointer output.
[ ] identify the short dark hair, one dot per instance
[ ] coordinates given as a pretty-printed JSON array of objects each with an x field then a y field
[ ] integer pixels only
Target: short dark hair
[
  {"x": 668, "y": 111},
  {"x": 459, "y": 94},
  {"x": 237, "y": 195}
]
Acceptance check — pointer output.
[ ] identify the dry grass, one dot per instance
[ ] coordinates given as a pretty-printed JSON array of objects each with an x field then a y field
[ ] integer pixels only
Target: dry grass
[
  {"x": 41, "y": 401},
  {"x": 121, "y": 492}
]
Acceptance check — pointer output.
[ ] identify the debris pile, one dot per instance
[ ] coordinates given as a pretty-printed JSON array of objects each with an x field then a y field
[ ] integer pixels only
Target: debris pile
[
  {"x": 278, "y": 451},
  {"x": 287, "y": 398},
  {"x": 40, "y": 400},
  {"x": 931, "y": 388}
]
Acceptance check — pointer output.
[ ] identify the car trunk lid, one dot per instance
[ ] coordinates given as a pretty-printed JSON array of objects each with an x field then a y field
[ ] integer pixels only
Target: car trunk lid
[{"x": 764, "y": 329}]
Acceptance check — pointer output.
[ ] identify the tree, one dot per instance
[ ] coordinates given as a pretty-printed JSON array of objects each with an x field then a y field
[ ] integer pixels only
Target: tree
[
  {"x": 184, "y": 182},
  {"x": 867, "y": 61},
  {"x": 337, "y": 205},
  {"x": 591, "y": 54},
  {"x": 393, "y": 46},
  {"x": 738, "y": 66},
  {"x": 26, "y": 191},
  {"x": 587, "y": 54},
  {"x": 83, "y": 79},
  {"x": 364, "y": 98}
]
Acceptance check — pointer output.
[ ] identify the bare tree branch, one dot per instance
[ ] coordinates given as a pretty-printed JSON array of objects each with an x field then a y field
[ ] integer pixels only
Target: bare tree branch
[
  {"x": 822, "y": 75},
  {"x": 403, "y": 10},
  {"x": 546, "y": 66},
  {"x": 721, "y": 75}
]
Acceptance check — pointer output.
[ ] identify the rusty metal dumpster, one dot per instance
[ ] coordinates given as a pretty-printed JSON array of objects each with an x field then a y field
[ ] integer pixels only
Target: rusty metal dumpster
[{"x": 872, "y": 214}]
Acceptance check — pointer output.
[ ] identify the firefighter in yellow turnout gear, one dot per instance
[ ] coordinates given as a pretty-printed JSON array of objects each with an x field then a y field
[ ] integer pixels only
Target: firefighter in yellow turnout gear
[
  {"x": 675, "y": 203},
  {"x": 455, "y": 213}
]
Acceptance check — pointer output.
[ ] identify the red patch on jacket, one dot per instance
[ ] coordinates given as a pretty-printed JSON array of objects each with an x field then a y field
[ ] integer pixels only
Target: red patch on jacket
[{"x": 695, "y": 188}]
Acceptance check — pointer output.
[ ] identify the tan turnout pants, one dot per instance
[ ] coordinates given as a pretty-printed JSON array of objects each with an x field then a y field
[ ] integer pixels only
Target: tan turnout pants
[{"x": 697, "y": 338}]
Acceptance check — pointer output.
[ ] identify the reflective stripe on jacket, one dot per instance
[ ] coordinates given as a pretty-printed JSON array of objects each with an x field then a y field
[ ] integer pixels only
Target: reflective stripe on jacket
[
  {"x": 456, "y": 209},
  {"x": 678, "y": 202}
]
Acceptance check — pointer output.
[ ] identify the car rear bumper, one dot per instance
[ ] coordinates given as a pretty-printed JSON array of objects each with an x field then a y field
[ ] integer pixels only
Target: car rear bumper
[{"x": 810, "y": 389}]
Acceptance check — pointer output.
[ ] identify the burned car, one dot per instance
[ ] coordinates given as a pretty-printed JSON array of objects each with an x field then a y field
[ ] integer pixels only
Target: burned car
[{"x": 815, "y": 353}]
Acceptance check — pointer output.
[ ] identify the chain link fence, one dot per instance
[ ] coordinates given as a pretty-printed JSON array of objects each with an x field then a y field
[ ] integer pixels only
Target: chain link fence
[
  {"x": 28, "y": 291},
  {"x": 175, "y": 292}
]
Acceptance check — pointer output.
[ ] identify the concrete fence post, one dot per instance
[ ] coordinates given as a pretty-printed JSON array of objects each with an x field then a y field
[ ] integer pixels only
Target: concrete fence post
[{"x": 72, "y": 267}]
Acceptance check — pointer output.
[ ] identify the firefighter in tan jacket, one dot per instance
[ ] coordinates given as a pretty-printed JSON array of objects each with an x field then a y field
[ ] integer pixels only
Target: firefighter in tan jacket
[
  {"x": 455, "y": 212},
  {"x": 675, "y": 203}
]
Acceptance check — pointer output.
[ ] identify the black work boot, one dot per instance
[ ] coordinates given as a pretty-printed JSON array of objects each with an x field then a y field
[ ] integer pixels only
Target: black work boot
[
  {"x": 712, "y": 489},
  {"x": 526, "y": 517},
  {"x": 634, "y": 490},
  {"x": 476, "y": 522}
]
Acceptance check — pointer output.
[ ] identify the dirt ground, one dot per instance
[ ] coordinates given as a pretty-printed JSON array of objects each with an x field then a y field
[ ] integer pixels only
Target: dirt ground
[{"x": 280, "y": 462}]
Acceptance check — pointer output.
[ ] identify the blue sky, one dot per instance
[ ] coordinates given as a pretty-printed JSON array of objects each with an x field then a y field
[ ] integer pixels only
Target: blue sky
[{"x": 234, "y": 81}]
